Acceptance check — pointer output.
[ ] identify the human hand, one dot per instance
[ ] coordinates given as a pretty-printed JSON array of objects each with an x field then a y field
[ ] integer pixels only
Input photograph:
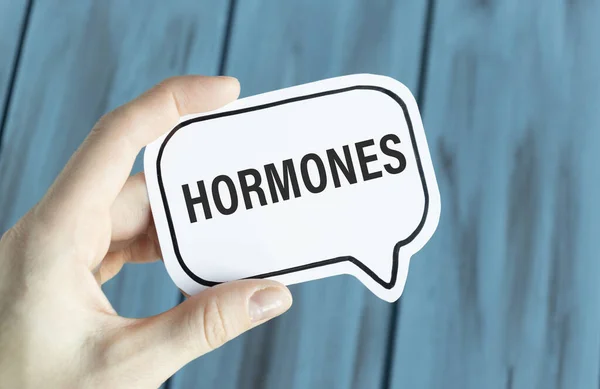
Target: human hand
[{"x": 57, "y": 328}]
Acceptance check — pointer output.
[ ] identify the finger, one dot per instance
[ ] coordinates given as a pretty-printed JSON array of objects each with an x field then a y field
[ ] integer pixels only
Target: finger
[
  {"x": 202, "y": 323},
  {"x": 143, "y": 249},
  {"x": 133, "y": 235},
  {"x": 130, "y": 213},
  {"x": 96, "y": 173}
]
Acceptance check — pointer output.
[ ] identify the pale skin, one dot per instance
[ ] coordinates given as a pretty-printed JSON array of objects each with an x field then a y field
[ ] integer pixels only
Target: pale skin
[{"x": 57, "y": 328}]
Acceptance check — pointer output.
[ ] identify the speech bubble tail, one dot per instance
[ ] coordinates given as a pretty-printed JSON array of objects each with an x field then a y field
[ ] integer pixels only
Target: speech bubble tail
[{"x": 387, "y": 280}]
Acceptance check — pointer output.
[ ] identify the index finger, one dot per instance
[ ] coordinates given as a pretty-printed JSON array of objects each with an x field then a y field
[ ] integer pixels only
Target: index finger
[{"x": 95, "y": 174}]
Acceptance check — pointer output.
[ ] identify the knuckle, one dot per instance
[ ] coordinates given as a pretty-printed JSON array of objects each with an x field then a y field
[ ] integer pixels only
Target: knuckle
[
  {"x": 214, "y": 324},
  {"x": 8, "y": 237},
  {"x": 170, "y": 81},
  {"x": 115, "y": 128},
  {"x": 104, "y": 122},
  {"x": 173, "y": 92},
  {"x": 19, "y": 253},
  {"x": 40, "y": 233},
  {"x": 22, "y": 234},
  {"x": 44, "y": 219},
  {"x": 45, "y": 226}
]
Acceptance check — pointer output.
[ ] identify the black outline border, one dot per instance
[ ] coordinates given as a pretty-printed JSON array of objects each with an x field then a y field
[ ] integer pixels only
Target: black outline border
[{"x": 359, "y": 264}]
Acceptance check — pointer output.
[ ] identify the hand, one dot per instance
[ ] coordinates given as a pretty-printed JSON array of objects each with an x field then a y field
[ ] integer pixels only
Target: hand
[{"x": 57, "y": 329}]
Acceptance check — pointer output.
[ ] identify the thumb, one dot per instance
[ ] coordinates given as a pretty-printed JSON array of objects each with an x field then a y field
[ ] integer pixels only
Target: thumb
[{"x": 201, "y": 324}]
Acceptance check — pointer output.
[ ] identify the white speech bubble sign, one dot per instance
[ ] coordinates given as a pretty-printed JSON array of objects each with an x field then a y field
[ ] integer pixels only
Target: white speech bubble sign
[{"x": 327, "y": 178}]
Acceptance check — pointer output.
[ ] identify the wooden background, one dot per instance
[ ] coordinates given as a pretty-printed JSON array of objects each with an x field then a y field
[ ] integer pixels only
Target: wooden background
[{"x": 507, "y": 292}]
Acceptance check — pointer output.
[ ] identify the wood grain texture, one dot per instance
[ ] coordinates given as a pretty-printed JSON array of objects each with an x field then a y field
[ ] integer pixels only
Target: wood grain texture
[
  {"x": 12, "y": 18},
  {"x": 336, "y": 334},
  {"x": 79, "y": 61},
  {"x": 506, "y": 293}
]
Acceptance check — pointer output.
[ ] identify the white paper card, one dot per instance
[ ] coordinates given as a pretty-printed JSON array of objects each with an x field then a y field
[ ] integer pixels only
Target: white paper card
[{"x": 327, "y": 178}]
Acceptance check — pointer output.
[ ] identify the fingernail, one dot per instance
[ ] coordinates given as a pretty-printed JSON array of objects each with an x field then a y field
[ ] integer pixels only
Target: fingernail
[{"x": 268, "y": 303}]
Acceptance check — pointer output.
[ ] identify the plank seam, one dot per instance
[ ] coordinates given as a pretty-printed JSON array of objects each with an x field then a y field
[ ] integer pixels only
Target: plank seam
[
  {"x": 15, "y": 69},
  {"x": 425, "y": 51},
  {"x": 420, "y": 97},
  {"x": 227, "y": 37}
]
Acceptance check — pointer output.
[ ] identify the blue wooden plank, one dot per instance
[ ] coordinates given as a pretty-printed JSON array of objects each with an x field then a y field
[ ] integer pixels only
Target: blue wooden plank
[
  {"x": 506, "y": 293},
  {"x": 335, "y": 335},
  {"x": 12, "y": 18},
  {"x": 80, "y": 61}
]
